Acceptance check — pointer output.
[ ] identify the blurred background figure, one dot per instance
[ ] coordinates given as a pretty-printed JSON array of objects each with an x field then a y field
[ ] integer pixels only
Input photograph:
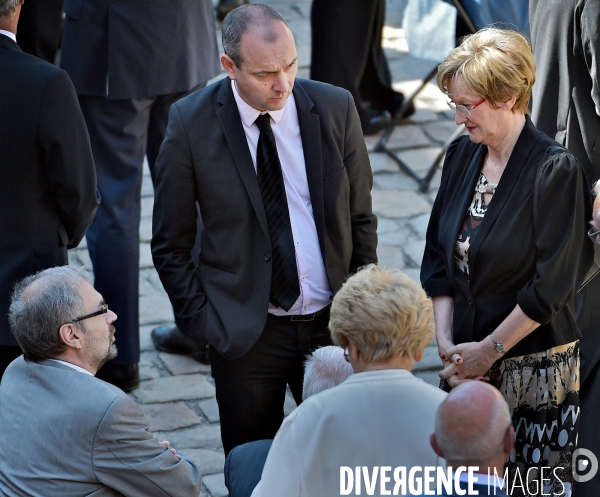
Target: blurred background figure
[
  {"x": 129, "y": 62},
  {"x": 347, "y": 52},
  {"x": 48, "y": 190},
  {"x": 224, "y": 7},
  {"x": 565, "y": 35},
  {"x": 40, "y": 28}
]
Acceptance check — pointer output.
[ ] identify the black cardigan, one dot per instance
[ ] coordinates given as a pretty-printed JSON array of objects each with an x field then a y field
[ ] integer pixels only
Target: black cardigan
[{"x": 531, "y": 248}]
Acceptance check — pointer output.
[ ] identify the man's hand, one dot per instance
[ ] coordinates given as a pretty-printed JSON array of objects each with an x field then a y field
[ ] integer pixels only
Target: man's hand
[{"x": 167, "y": 445}]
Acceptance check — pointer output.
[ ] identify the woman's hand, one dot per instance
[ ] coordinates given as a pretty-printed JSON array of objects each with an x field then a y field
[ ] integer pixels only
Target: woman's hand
[{"x": 469, "y": 360}]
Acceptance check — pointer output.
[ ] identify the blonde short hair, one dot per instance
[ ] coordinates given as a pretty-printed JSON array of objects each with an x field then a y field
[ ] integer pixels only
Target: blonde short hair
[
  {"x": 384, "y": 313},
  {"x": 495, "y": 64}
]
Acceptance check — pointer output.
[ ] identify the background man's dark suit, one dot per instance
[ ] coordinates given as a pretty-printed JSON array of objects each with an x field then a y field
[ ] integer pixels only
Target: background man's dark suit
[
  {"x": 40, "y": 27},
  {"x": 205, "y": 158},
  {"x": 565, "y": 36},
  {"x": 129, "y": 62},
  {"x": 48, "y": 189}
]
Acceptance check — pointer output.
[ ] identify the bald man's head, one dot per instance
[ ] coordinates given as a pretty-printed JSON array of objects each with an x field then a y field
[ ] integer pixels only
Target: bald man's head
[{"x": 471, "y": 425}]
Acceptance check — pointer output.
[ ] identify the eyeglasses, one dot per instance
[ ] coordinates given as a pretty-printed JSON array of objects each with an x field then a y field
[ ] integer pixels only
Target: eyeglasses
[
  {"x": 346, "y": 354},
  {"x": 593, "y": 234},
  {"x": 464, "y": 110},
  {"x": 103, "y": 310}
]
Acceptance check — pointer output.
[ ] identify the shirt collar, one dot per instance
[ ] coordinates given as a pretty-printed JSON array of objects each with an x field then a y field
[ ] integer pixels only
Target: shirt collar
[
  {"x": 12, "y": 36},
  {"x": 76, "y": 368},
  {"x": 249, "y": 113}
]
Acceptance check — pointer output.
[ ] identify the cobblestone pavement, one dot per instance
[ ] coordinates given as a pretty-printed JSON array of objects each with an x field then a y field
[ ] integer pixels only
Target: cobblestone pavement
[{"x": 176, "y": 393}]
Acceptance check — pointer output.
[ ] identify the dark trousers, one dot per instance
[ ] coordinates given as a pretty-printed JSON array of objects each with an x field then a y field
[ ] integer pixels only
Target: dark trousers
[
  {"x": 40, "y": 28},
  {"x": 251, "y": 390},
  {"x": 122, "y": 132},
  {"x": 346, "y": 49}
]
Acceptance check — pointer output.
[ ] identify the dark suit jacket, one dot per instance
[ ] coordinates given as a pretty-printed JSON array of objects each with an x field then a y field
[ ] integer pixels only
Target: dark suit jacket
[
  {"x": 128, "y": 49},
  {"x": 531, "y": 248},
  {"x": 48, "y": 187},
  {"x": 205, "y": 158},
  {"x": 67, "y": 434}
]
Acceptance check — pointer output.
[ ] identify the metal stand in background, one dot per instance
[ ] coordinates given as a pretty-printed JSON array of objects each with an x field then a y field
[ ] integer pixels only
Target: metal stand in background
[{"x": 381, "y": 145}]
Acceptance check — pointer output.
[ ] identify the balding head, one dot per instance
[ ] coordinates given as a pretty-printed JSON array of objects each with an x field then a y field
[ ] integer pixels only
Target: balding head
[
  {"x": 256, "y": 17},
  {"x": 472, "y": 426}
]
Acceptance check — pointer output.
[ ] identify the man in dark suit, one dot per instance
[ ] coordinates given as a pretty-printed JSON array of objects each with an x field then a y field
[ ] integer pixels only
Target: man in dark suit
[
  {"x": 40, "y": 27},
  {"x": 48, "y": 190},
  {"x": 565, "y": 37},
  {"x": 49, "y": 396},
  {"x": 129, "y": 62},
  {"x": 473, "y": 428},
  {"x": 280, "y": 171}
]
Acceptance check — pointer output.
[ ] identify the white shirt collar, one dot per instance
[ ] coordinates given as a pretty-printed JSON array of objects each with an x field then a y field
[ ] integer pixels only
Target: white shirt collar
[
  {"x": 76, "y": 368},
  {"x": 249, "y": 113},
  {"x": 12, "y": 36}
]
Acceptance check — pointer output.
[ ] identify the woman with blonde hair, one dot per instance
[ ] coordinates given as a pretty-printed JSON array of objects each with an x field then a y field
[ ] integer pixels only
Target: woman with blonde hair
[{"x": 506, "y": 251}]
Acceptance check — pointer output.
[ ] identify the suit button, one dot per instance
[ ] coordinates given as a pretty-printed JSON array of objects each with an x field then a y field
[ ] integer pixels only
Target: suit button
[
  {"x": 267, "y": 256},
  {"x": 470, "y": 302}
]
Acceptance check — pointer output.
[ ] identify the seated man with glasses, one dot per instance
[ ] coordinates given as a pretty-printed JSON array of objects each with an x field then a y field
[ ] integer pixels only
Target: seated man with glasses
[{"x": 63, "y": 431}]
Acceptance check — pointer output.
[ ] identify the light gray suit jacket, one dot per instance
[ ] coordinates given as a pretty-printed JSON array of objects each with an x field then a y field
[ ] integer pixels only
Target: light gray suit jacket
[{"x": 65, "y": 433}]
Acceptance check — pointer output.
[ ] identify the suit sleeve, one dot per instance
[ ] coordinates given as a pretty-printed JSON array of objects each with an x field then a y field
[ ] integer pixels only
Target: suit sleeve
[
  {"x": 129, "y": 459},
  {"x": 358, "y": 167},
  {"x": 174, "y": 224},
  {"x": 433, "y": 268},
  {"x": 590, "y": 34},
  {"x": 562, "y": 209},
  {"x": 68, "y": 157}
]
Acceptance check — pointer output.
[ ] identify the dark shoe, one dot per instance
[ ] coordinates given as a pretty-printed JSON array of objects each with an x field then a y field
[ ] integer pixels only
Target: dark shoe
[
  {"x": 226, "y": 6},
  {"x": 124, "y": 376},
  {"x": 202, "y": 356},
  {"x": 372, "y": 121},
  {"x": 171, "y": 339}
]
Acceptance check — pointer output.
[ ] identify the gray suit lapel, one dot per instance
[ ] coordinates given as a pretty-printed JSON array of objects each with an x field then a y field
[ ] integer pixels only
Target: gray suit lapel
[{"x": 231, "y": 123}]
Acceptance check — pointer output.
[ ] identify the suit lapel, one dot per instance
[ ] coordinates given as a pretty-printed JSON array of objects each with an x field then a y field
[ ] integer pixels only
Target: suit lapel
[
  {"x": 231, "y": 123},
  {"x": 310, "y": 132},
  {"x": 510, "y": 176}
]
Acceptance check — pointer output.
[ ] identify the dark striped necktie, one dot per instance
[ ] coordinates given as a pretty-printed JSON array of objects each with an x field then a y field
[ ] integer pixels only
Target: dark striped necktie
[{"x": 285, "y": 288}]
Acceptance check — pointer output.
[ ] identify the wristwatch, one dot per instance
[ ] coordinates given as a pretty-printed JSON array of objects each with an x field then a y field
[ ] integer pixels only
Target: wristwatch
[{"x": 497, "y": 345}]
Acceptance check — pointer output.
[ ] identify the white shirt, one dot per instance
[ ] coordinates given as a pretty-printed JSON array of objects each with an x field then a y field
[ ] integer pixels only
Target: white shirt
[
  {"x": 12, "y": 36},
  {"x": 315, "y": 291},
  {"x": 76, "y": 368}
]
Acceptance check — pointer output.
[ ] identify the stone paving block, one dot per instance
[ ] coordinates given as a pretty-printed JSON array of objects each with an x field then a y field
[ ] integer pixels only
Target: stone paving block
[
  {"x": 145, "y": 339},
  {"x": 146, "y": 256},
  {"x": 406, "y": 68},
  {"x": 146, "y": 229},
  {"x": 147, "y": 186},
  {"x": 390, "y": 256},
  {"x": 397, "y": 181},
  {"x": 371, "y": 140},
  {"x": 155, "y": 309},
  {"x": 289, "y": 405},
  {"x": 149, "y": 357},
  {"x": 419, "y": 225},
  {"x": 413, "y": 273},
  {"x": 148, "y": 372},
  {"x": 171, "y": 388},
  {"x": 431, "y": 361},
  {"x": 423, "y": 115},
  {"x": 415, "y": 250},
  {"x": 80, "y": 257},
  {"x": 216, "y": 485},
  {"x": 167, "y": 417},
  {"x": 147, "y": 206},
  {"x": 440, "y": 131},
  {"x": 210, "y": 408},
  {"x": 398, "y": 205},
  {"x": 387, "y": 226},
  {"x": 419, "y": 160},
  {"x": 381, "y": 163},
  {"x": 178, "y": 364},
  {"x": 205, "y": 436},
  {"x": 430, "y": 377},
  {"x": 393, "y": 238},
  {"x": 210, "y": 461},
  {"x": 303, "y": 8},
  {"x": 407, "y": 136}
]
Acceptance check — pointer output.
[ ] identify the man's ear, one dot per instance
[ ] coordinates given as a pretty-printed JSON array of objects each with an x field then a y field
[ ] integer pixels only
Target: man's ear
[
  {"x": 435, "y": 446},
  {"x": 509, "y": 441},
  {"x": 419, "y": 357},
  {"x": 228, "y": 65},
  {"x": 70, "y": 335}
]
